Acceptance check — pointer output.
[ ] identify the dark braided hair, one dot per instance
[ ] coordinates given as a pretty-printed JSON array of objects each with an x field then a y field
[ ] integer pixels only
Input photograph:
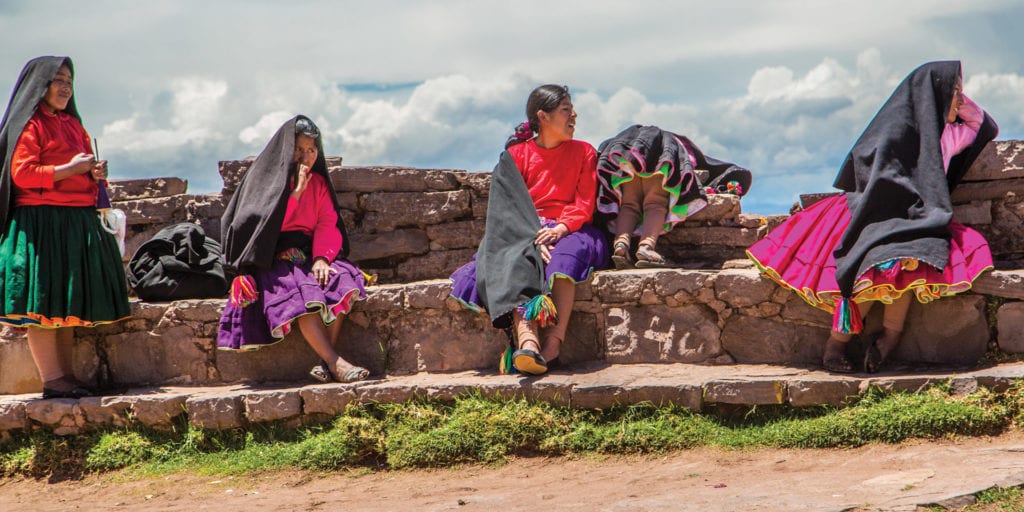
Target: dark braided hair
[{"x": 546, "y": 98}]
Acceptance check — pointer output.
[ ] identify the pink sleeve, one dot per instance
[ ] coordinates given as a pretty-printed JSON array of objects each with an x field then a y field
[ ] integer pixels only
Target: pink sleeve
[
  {"x": 971, "y": 114},
  {"x": 957, "y": 136},
  {"x": 326, "y": 237}
]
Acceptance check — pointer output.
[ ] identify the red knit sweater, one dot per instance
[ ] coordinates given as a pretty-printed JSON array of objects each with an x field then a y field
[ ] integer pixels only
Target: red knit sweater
[
  {"x": 562, "y": 181},
  {"x": 49, "y": 140}
]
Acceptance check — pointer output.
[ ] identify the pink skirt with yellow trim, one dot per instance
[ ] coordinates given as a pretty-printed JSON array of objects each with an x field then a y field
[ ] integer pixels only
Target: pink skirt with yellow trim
[{"x": 798, "y": 255}]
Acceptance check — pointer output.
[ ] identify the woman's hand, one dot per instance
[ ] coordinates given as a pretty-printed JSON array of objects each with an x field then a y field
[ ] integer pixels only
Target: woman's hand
[
  {"x": 81, "y": 163},
  {"x": 545, "y": 252},
  {"x": 301, "y": 180},
  {"x": 99, "y": 170},
  {"x": 549, "y": 236},
  {"x": 322, "y": 271}
]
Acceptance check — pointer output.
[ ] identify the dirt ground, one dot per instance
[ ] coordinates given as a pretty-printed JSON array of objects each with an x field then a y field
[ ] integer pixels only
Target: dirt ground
[{"x": 875, "y": 477}]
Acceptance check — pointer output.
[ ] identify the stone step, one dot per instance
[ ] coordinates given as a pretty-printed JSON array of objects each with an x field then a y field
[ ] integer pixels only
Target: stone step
[
  {"x": 620, "y": 317},
  {"x": 591, "y": 385}
]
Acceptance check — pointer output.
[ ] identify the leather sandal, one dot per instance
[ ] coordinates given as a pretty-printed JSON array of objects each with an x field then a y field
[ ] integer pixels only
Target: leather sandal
[
  {"x": 620, "y": 255},
  {"x": 65, "y": 388},
  {"x": 647, "y": 257},
  {"x": 354, "y": 374},
  {"x": 321, "y": 372}
]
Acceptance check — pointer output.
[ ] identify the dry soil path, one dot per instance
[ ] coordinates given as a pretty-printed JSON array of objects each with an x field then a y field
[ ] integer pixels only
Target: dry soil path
[{"x": 875, "y": 477}]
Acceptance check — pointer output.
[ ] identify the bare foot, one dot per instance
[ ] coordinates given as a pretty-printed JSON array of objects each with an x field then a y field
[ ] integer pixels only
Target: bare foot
[{"x": 835, "y": 359}]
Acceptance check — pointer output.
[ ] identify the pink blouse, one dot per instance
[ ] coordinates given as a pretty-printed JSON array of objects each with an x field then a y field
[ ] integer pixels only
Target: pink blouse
[
  {"x": 957, "y": 136},
  {"x": 314, "y": 214}
]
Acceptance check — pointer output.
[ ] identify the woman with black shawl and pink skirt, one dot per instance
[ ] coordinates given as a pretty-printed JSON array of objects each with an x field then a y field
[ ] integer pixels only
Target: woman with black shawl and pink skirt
[
  {"x": 539, "y": 238},
  {"x": 890, "y": 236},
  {"x": 282, "y": 232}
]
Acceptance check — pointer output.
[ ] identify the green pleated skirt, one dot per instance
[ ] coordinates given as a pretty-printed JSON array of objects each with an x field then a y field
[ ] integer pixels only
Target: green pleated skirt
[{"x": 60, "y": 268}]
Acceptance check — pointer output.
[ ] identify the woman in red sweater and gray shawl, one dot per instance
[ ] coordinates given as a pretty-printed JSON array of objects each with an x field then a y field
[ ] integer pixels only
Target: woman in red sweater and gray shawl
[
  {"x": 59, "y": 268},
  {"x": 538, "y": 238}
]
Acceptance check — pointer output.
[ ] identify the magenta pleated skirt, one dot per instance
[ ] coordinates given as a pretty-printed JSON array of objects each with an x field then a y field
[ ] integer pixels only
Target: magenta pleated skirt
[
  {"x": 798, "y": 255},
  {"x": 286, "y": 291}
]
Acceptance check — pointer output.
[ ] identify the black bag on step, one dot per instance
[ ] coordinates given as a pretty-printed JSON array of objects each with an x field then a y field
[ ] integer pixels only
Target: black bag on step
[{"x": 179, "y": 262}]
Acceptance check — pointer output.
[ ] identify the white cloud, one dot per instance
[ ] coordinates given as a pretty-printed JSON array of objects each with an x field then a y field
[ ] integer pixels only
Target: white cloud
[
  {"x": 195, "y": 113},
  {"x": 1001, "y": 93},
  {"x": 264, "y": 128},
  {"x": 783, "y": 87}
]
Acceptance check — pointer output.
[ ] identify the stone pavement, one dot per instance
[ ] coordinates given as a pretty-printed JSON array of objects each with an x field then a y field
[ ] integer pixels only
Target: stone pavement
[{"x": 590, "y": 385}]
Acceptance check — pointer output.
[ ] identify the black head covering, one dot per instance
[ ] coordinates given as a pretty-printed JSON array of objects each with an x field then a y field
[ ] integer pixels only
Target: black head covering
[
  {"x": 252, "y": 220},
  {"x": 896, "y": 190},
  {"x": 28, "y": 92}
]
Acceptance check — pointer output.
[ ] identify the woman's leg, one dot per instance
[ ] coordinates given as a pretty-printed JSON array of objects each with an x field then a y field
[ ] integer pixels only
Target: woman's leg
[
  {"x": 835, "y": 358},
  {"x": 655, "y": 208},
  {"x": 334, "y": 331},
  {"x": 625, "y": 223},
  {"x": 318, "y": 337},
  {"x": 629, "y": 210},
  {"x": 563, "y": 294},
  {"x": 65, "y": 349},
  {"x": 893, "y": 318},
  {"x": 526, "y": 333},
  {"x": 42, "y": 343},
  {"x": 526, "y": 359}
]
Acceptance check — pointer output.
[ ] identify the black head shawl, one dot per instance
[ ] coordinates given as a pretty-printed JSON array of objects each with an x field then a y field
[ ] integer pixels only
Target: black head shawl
[
  {"x": 896, "y": 190},
  {"x": 252, "y": 220},
  {"x": 28, "y": 92}
]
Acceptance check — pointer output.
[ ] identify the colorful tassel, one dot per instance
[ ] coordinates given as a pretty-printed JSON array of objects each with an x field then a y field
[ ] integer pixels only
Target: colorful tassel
[
  {"x": 846, "y": 319},
  {"x": 243, "y": 291},
  {"x": 294, "y": 255},
  {"x": 539, "y": 309},
  {"x": 505, "y": 365}
]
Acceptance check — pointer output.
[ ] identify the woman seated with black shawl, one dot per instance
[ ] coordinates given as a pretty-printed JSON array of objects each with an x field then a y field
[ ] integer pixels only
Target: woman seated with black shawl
[
  {"x": 891, "y": 235},
  {"x": 282, "y": 231},
  {"x": 538, "y": 237}
]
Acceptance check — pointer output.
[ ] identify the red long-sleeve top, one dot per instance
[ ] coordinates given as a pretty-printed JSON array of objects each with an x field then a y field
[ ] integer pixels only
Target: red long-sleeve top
[
  {"x": 314, "y": 214},
  {"x": 562, "y": 181},
  {"x": 47, "y": 141}
]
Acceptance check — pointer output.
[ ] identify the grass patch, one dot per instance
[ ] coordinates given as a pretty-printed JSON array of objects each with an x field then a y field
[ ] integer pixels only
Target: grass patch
[{"x": 420, "y": 434}]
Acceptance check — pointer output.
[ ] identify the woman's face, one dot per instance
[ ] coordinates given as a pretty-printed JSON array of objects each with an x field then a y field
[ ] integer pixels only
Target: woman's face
[
  {"x": 560, "y": 122},
  {"x": 60, "y": 90},
  {"x": 958, "y": 101},
  {"x": 305, "y": 150}
]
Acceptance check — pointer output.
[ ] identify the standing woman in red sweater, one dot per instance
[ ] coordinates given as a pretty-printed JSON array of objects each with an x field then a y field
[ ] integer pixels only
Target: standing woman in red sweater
[
  {"x": 539, "y": 238},
  {"x": 59, "y": 268}
]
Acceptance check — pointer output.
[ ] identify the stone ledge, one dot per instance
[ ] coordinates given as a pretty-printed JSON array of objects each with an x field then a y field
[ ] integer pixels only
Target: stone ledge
[
  {"x": 709, "y": 317},
  {"x": 591, "y": 386}
]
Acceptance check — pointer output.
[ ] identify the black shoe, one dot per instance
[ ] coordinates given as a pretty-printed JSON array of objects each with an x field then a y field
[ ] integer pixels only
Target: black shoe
[{"x": 68, "y": 388}]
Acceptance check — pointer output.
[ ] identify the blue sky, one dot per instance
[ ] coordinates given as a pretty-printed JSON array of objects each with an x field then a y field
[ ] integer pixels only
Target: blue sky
[{"x": 781, "y": 87}]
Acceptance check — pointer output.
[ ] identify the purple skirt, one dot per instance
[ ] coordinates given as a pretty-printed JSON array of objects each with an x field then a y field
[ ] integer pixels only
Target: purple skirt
[
  {"x": 575, "y": 257},
  {"x": 287, "y": 291}
]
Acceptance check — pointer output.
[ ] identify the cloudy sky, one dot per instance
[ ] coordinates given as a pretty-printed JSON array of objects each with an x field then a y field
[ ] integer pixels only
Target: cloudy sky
[{"x": 781, "y": 87}]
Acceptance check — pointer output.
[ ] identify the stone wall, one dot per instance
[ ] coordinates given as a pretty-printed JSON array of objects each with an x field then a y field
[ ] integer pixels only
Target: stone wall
[
  {"x": 410, "y": 226},
  {"x": 991, "y": 200},
  {"x": 707, "y": 317}
]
